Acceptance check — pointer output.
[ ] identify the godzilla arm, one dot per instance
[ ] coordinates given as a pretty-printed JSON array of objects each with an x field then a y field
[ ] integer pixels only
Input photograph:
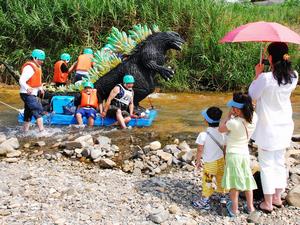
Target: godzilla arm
[{"x": 166, "y": 73}]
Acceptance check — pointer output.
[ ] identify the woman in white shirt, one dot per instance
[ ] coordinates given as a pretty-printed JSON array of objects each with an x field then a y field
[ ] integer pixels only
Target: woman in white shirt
[{"x": 272, "y": 91}]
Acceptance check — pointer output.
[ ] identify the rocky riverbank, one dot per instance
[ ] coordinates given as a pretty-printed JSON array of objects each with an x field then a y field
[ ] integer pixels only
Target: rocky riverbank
[{"x": 62, "y": 180}]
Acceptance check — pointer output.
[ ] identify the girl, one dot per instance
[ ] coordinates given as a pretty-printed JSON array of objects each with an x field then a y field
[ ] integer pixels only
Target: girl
[{"x": 239, "y": 125}]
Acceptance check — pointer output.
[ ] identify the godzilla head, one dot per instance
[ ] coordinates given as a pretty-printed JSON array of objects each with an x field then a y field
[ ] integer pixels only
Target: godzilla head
[{"x": 170, "y": 40}]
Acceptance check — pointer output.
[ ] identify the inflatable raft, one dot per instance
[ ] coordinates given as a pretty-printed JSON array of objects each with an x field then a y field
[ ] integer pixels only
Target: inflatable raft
[{"x": 57, "y": 115}]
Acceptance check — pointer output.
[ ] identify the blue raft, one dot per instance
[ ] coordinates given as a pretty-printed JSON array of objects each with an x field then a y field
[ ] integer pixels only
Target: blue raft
[
  {"x": 61, "y": 119},
  {"x": 57, "y": 116}
]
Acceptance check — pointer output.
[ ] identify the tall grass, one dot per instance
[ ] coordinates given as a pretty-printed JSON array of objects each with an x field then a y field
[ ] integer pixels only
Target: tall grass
[{"x": 59, "y": 26}]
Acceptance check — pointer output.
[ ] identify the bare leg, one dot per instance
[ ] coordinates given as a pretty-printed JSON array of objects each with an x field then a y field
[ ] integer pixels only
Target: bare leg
[
  {"x": 276, "y": 198},
  {"x": 79, "y": 118},
  {"x": 91, "y": 121},
  {"x": 120, "y": 119},
  {"x": 234, "y": 196},
  {"x": 26, "y": 126},
  {"x": 249, "y": 198},
  {"x": 40, "y": 124},
  {"x": 127, "y": 119}
]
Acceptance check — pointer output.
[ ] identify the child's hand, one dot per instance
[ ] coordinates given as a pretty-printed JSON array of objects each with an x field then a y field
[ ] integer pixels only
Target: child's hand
[{"x": 199, "y": 164}]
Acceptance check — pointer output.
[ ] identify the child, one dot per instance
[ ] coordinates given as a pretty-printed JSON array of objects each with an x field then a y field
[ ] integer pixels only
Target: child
[
  {"x": 239, "y": 125},
  {"x": 210, "y": 149},
  {"x": 88, "y": 104}
]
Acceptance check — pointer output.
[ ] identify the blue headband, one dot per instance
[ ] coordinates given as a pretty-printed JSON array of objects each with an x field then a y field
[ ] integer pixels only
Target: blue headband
[
  {"x": 238, "y": 105},
  {"x": 207, "y": 118}
]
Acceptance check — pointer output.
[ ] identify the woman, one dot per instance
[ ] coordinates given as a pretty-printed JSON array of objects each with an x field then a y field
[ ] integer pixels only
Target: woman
[{"x": 272, "y": 91}]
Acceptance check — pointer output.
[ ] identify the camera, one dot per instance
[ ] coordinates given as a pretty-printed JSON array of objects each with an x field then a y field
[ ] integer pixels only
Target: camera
[{"x": 265, "y": 62}]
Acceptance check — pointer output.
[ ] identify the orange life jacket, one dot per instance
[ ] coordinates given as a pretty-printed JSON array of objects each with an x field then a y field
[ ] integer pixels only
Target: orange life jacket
[
  {"x": 36, "y": 79},
  {"x": 84, "y": 62},
  {"x": 59, "y": 76},
  {"x": 89, "y": 99}
]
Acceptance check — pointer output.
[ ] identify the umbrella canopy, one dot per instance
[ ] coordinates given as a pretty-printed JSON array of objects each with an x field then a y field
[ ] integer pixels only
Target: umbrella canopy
[{"x": 262, "y": 32}]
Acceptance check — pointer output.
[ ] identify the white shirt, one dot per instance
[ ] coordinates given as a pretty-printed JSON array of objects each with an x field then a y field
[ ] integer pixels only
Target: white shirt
[
  {"x": 275, "y": 124},
  {"x": 237, "y": 139},
  {"x": 211, "y": 151},
  {"x": 27, "y": 73}
]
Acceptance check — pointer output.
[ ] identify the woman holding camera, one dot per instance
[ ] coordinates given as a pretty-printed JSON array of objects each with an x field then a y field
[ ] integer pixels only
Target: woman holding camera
[{"x": 272, "y": 91}]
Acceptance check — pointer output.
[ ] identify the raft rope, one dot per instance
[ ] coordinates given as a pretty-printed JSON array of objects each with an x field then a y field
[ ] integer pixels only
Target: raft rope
[{"x": 19, "y": 110}]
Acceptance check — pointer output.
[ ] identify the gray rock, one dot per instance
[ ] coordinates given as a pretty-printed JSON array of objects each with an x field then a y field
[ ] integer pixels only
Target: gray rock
[
  {"x": 68, "y": 152},
  {"x": 159, "y": 217},
  {"x": 154, "y": 159},
  {"x": 164, "y": 155},
  {"x": 15, "y": 153},
  {"x": 171, "y": 149},
  {"x": 139, "y": 164},
  {"x": 163, "y": 166},
  {"x": 189, "y": 155},
  {"x": 103, "y": 142},
  {"x": 85, "y": 140},
  {"x": 183, "y": 146},
  {"x": 293, "y": 197},
  {"x": 175, "y": 160},
  {"x": 106, "y": 163},
  {"x": 73, "y": 145},
  {"x": 137, "y": 171},
  {"x": 96, "y": 153},
  {"x": 155, "y": 145}
]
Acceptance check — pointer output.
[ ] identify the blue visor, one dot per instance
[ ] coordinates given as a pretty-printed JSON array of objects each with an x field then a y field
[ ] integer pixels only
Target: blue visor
[
  {"x": 207, "y": 118},
  {"x": 232, "y": 103}
]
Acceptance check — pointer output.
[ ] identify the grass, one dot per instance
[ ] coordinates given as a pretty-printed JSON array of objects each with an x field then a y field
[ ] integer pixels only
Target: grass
[{"x": 59, "y": 26}]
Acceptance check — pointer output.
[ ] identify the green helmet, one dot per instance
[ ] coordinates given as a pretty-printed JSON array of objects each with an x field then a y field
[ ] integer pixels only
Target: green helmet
[
  {"x": 88, "y": 51},
  {"x": 65, "y": 57},
  {"x": 128, "y": 79},
  {"x": 38, "y": 54},
  {"x": 88, "y": 84}
]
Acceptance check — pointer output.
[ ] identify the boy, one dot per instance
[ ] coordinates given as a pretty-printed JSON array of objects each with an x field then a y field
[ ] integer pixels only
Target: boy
[{"x": 210, "y": 149}]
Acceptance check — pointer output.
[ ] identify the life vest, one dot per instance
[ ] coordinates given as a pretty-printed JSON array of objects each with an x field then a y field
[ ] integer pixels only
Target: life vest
[
  {"x": 59, "y": 76},
  {"x": 36, "y": 79},
  {"x": 123, "y": 99},
  {"x": 84, "y": 62},
  {"x": 89, "y": 99}
]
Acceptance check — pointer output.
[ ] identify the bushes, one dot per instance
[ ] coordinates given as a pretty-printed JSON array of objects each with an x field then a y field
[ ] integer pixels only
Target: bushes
[{"x": 70, "y": 25}]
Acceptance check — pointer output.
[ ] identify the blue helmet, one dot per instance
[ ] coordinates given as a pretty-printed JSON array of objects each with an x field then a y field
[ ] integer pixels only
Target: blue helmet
[
  {"x": 65, "y": 57},
  {"x": 38, "y": 54},
  {"x": 88, "y": 51},
  {"x": 128, "y": 79}
]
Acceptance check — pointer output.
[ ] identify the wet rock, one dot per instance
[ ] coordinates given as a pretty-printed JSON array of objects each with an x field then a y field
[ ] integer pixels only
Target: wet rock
[
  {"x": 40, "y": 144},
  {"x": 2, "y": 137},
  {"x": 106, "y": 163},
  {"x": 73, "y": 145},
  {"x": 13, "y": 154},
  {"x": 293, "y": 197},
  {"x": 155, "y": 145}
]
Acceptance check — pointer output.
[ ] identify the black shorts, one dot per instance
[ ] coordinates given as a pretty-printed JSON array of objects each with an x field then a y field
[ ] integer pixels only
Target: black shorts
[
  {"x": 32, "y": 107},
  {"x": 112, "y": 112}
]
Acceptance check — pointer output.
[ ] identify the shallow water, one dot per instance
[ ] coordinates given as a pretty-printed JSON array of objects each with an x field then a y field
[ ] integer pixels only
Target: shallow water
[{"x": 177, "y": 112}]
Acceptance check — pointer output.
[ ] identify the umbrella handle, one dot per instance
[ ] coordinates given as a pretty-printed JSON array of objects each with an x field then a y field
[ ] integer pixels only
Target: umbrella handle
[{"x": 261, "y": 53}]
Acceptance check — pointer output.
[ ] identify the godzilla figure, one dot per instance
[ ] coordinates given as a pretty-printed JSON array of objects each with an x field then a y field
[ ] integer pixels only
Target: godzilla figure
[{"x": 146, "y": 60}]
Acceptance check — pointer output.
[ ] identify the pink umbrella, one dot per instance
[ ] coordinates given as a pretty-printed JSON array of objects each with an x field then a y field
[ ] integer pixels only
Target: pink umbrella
[{"x": 262, "y": 32}]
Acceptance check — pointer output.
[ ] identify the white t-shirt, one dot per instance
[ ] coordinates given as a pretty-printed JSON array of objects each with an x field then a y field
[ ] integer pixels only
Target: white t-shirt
[
  {"x": 237, "y": 139},
  {"x": 27, "y": 73},
  {"x": 211, "y": 151},
  {"x": 275, "y": 124}
]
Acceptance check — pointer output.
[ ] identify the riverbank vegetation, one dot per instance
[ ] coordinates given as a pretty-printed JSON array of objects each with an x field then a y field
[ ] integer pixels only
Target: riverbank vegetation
[{"x": 59, "y": 26}]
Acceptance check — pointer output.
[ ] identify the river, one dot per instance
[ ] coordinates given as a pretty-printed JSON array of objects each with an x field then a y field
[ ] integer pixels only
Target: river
[{"x": 177, "y": 112}]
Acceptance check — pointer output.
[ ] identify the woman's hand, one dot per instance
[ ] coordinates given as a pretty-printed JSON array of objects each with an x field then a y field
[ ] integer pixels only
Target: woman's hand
[{"x": 259, "y": 68}]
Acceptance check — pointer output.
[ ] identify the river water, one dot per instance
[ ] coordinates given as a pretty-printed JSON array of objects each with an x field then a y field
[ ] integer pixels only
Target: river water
[{"x": 177, "y": 112}]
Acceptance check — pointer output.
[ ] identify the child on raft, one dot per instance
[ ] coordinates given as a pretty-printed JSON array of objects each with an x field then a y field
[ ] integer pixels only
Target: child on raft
[
  {"x": 239, "y": 126},
  {"x": 210, "y": 156}
]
